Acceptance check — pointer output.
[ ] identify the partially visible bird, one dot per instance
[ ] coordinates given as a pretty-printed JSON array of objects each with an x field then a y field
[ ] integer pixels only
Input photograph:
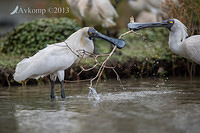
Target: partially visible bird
[
  {"x": 94, "y": 12},
  {"x": 55, "y": 58},
  {"x": 152, "y": 6},
  {"x": 178, "y": 43}
]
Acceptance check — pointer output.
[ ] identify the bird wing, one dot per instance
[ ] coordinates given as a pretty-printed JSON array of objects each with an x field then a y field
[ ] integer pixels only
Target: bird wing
[
  {"x": 48, "y": 60},
  {"x": 106, "y": 8},
  {"x": 192, "y": 46},
  {"x": 107, "y": 12}
]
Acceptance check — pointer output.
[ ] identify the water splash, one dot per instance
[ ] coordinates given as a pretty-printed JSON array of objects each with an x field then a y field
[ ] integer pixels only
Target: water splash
[
  {"x": 122, "y": 86},
  {"x": 93, "y": 93},
  {"x": 149, "y": 44}
]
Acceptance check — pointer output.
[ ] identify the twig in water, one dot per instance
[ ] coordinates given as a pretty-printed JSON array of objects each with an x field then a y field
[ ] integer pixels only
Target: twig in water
[
  {"x": 82, "y": 53},
  {"x": 103, "y": 65}
]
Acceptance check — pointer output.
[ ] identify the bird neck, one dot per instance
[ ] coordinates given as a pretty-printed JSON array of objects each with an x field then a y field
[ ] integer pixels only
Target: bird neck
[
  {"x": 176, "y": 43},
  {"x": 86, "y": 44},
  {"x": 79, "y": 41}
]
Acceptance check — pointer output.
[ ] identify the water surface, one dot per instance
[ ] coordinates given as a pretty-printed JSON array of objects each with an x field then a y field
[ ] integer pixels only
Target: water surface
[{"x": 140, "y": 106}]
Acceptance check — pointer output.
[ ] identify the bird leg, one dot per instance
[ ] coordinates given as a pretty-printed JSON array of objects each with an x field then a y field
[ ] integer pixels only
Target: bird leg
[
  {"x": 52, "y": 89},
  {"x": 62, "y": 89}
]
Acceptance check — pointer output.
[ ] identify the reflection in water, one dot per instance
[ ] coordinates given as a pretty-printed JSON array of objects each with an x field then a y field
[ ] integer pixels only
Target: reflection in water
[
  {"x": 48, "y": 121},
  {"x": 144, "y": 106}
]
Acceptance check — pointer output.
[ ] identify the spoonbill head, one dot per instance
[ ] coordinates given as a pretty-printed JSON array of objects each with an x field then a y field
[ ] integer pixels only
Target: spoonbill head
[
  {"x": 55, "y": 58},
  {"x": 178, "y": 43}
]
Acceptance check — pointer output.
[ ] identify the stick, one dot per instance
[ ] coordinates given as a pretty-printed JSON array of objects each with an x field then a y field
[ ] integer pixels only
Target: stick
[{"x": 102, "y": 65}]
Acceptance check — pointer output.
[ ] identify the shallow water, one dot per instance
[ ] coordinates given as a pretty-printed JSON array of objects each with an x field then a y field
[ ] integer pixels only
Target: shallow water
[{"x": 140, "y": 106}]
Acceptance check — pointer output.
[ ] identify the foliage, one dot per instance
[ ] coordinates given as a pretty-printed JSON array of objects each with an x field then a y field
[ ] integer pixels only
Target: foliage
[
  {"x": 30, "y": 37},
  {"x": 147, "y": 43}
]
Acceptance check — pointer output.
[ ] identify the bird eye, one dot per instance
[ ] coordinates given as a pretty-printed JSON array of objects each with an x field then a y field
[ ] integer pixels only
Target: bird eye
[
  {"x": 171, "y": 22},
  {"x": 90, "y": 33}
]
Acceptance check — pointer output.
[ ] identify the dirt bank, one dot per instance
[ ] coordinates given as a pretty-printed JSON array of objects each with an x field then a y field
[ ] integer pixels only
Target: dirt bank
[{"x": 132, "y": 68}]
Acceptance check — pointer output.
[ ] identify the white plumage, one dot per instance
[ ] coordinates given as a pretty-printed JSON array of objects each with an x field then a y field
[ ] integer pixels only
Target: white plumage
[
  {"x": 153, "y": 6},
  {"x": 188, "y": 48},
  {"x": 55, "y": 57},
  {"x": 178, "y": 41},
  {"x": 94, "y": 12}
]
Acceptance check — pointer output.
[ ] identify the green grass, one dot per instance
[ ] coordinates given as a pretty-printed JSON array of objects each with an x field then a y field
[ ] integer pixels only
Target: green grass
[{"x": 148, "y": 44}]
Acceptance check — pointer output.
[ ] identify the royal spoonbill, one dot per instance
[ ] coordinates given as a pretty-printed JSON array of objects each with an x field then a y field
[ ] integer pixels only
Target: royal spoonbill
[
  {"x": 55, "y": 58},
  {"x": 178, "y": 43},
  {"x": 94, "y": 12}
]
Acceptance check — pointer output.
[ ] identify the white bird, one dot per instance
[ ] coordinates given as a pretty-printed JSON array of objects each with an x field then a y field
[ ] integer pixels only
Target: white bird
[
  {"x": 55, "y": 58},
  {"x": 178, "y": 43},
  {"x": 153, "y": 6},
  {"x": 94, "y": 12}
]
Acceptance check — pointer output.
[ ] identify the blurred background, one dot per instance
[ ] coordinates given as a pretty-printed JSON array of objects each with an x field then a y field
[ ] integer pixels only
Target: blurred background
[
  {"x": 145, "y": 55},
  {"x": 142, "y": 10},
  {"x": 155, "y": 94}
]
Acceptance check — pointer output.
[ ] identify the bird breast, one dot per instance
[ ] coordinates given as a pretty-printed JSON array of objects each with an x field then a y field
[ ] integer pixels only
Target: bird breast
[{"x": 192, "y": 48}]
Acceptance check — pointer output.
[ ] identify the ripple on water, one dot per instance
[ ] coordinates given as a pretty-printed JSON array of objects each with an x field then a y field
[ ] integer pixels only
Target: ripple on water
[
  {"x": 58, "y": 120},
  {"x": 130, "y": 95}
]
